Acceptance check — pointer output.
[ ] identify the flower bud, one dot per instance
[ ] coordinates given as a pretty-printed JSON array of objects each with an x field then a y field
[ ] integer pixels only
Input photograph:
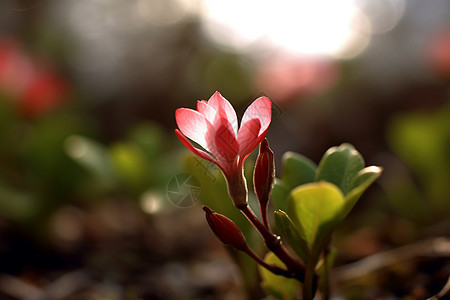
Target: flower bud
[
  {"x": 264, "y": 175},
  {"x": 225, "y": 230}
]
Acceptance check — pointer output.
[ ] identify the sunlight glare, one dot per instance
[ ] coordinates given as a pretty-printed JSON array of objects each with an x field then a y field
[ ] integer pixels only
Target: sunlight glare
[{"x": 320, "y": 27}]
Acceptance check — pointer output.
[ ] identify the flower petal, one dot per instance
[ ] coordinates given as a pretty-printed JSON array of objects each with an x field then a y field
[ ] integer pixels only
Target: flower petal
[
  {"x": 222, "y": 141},
  {"x": 260, "y": 109},
  {"x": 247, "y": 137},
  {"x": 225, "y": 109},
  {"x": 206, "y": 110},
  {"x": 192, "y": 124},
  {"x": 198, "y": 152}
]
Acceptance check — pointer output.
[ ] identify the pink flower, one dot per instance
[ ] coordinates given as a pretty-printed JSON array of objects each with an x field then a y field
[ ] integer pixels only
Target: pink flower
[{"x": 214, "y": 126}]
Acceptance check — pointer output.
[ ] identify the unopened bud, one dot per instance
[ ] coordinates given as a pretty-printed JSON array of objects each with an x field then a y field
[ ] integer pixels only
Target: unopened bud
[
  {"x": 264, "y": 174},
  {"x": 225, "y": 230}
]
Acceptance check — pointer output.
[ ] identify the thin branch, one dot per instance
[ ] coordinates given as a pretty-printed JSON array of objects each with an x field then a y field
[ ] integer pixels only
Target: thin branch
[
  {"x": 273, "y": 243},
  {"x": 428, "y": 248},
  {"x": 444, "y": 292},
  {"x": 271, "y": 267}
]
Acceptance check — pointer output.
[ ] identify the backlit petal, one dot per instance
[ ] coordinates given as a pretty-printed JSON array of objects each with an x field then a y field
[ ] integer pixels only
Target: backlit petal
[
  {"x": 247, "y": 137},
  {"x": 198, "y": 152},
  {"x": 205, "y": 109},
  {"x": 222, "y": 141},
  {"x": 192, "y": 124},
  {"x": 260, "y": 109},
  {"x": 225, "y": 109}
]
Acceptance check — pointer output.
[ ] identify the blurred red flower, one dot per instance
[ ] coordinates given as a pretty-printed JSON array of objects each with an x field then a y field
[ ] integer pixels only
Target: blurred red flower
[
  {"x": 32, "y": 87},
  {"x": 439, "y": 53}
]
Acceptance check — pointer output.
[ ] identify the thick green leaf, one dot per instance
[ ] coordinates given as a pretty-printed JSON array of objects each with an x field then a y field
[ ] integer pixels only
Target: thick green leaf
[
  {"x": 316, "y": 209},
  {"x": 362, "y": 181},
  {"x": 275, "y": 285},
  {"x": 366, "y": 176},
  {"x": 297, "y": 169},
  {"x": 279, "y": 195},
  {"x": 291, "y": 235},
  {"x": 340, "y": 165}
]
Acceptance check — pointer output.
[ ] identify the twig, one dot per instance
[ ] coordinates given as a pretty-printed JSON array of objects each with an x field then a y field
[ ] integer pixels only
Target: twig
[
  {"x": 17, "y": 288},
  {"x": 429, "y": 248},
  {"x": 58, "y": 289},
  {"x": 271, "y": 267},
  {"x": 444, "y": 292},
  {"x": 273, "y": 243}
]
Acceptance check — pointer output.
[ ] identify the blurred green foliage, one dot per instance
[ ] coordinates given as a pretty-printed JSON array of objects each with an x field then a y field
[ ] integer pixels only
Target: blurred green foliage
[
  {"x": 422, "y": 141},
  {"x": 58, "y": 160},
  {"x": 35, "y": 173}
]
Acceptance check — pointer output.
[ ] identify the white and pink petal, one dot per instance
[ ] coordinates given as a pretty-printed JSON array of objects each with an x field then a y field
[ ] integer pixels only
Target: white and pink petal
[
  {"x": 260, "y": 109},
  {"x": 247, "y": 137},
  {"x": 192, "y": 124},
  {"x": 225, "y": 109},
  {"x": 206, "y": 110},
  {"x": 198, "y": 152},
  {"x": 222, "y": 142}
]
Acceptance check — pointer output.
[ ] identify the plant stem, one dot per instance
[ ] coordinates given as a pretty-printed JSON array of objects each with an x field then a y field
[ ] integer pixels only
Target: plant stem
[
  {"x": 326, "y": 277},
  {"x": 271, "y": 267},
  {"x": 263, "y": 209},
  {"x": 308, "y": 287},
  {"x": 273, "y": 243}
]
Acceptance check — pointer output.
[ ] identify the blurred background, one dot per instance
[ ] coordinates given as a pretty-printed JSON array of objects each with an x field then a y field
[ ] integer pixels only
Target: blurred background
[{"x": 93, "y": 181}]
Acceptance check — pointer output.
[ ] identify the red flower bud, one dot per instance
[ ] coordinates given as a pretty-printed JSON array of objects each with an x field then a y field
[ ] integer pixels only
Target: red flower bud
[
  {"x": 225, "y": 230},
  {"x": 263, "y": 176}
]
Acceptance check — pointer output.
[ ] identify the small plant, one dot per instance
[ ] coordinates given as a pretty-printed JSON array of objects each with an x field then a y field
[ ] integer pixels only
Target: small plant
[{"x": 309, "y": 201}]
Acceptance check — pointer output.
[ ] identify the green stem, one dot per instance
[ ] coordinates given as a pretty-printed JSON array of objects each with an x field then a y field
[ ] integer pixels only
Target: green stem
[
  {"x": 237, "y": 189},
  {"x": 311, "y": 279},
  {"x": 273, "y": 243},
  {"x": 326, "y": 277}
]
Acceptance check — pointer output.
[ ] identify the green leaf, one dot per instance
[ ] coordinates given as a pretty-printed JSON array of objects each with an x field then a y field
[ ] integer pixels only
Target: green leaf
[
  {"x": 362, "y": 181},
  {"x": 279, "y": 195},
  {"x": 340, "y": 165},
  {"x": 297, "y": 169},
  {"x": 278, "y": 286},
  {"x": 291, "y": 235},
  {"x": 316, "y": 209}
]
